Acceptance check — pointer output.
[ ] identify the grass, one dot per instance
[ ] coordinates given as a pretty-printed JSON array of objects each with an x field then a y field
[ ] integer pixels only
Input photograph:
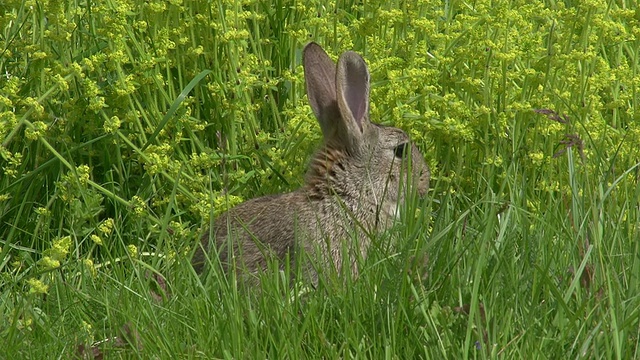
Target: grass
[{"x": 126, "y": 126}]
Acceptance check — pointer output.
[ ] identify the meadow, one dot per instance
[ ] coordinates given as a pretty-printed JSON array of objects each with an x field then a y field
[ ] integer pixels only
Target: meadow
[{"x": 127, "y": 126}]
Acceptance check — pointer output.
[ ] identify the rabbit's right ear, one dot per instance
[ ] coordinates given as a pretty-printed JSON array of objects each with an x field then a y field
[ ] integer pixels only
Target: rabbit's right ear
[
  {"x": 320, "y": 77},
  {"x": 353, "y": 93}
]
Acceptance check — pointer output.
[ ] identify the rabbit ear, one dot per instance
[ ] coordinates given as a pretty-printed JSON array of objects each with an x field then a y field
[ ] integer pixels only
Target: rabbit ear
[
  {"x": 320, "y": 77},
  {"x": 353, "y": 92}
]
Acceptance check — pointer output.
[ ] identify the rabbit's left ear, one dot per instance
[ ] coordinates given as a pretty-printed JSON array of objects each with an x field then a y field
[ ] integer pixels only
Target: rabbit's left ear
[
  {"x": 352, "y": 81},
  {"x": 320, "y": 78}
]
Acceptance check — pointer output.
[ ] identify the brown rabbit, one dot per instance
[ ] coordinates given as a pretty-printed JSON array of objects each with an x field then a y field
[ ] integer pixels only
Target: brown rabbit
[{"x": 355, "y": 185}]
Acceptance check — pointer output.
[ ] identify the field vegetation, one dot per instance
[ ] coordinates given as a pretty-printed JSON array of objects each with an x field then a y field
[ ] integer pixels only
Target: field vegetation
[{"x": 126, "y": 126}]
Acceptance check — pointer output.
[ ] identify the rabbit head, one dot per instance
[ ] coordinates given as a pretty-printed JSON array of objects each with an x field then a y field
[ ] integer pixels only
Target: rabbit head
[{"x": 370, "y": 166}]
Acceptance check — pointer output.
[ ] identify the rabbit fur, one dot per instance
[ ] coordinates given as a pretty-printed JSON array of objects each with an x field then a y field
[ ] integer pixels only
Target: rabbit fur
[{"x": 354, "y": 187}]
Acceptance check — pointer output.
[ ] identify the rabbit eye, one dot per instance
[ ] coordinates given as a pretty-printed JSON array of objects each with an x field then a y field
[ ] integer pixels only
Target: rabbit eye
[{"x": 400, "y": 151}]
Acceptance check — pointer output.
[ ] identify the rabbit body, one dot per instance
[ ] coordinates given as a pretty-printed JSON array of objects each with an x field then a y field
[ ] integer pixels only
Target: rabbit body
[{"x": 354, "y": 186}]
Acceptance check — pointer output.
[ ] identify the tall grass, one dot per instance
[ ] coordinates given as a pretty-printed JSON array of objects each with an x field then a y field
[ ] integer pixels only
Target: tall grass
[{"x": 126, "y": 126}]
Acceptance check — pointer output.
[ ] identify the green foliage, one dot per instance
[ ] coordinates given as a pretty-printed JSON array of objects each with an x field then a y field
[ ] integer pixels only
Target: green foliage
[{"x": 125, "y": 126}]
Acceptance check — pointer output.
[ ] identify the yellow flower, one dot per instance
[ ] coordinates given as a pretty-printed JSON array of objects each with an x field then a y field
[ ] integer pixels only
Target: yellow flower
[
  {"x": 138, "y": 205},
  {"x": 87, "y": 327},
  {"x": 537, "y": 158},
  {"x": 83, "y": 174},
  {"x": 96, "y": 239},
  {"x": 107, "y": 226},
  {"x": 37, "y": 287},
  {"x": 38, "y": 55},
  {"x": 43, "y": 211},
  {"x": 60, "y": 248},
  {"x": 36, "y": 106},
  {"x": 132, "y": 250},
  {"x": 112, "y": 125},
  {"x": 37, "y": 130},
  {"x": 48, "y": 263},
  {"x": 88, "y": 263},
  {"x": 62, "y": 83}
]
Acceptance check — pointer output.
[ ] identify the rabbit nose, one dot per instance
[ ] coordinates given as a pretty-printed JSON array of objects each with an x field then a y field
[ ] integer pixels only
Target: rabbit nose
[
  {"x": 423, "y": 182},
  {"x": 422, "y": 190}
]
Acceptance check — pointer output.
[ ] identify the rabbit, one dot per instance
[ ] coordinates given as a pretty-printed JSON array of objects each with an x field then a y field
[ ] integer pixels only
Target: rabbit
[{"x": 354, "y": 187}]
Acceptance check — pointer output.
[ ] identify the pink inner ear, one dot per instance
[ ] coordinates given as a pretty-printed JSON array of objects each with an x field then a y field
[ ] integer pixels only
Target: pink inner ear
[
  {"x": 358, "y": 107},
  {"x": 356, "y": 91}
]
